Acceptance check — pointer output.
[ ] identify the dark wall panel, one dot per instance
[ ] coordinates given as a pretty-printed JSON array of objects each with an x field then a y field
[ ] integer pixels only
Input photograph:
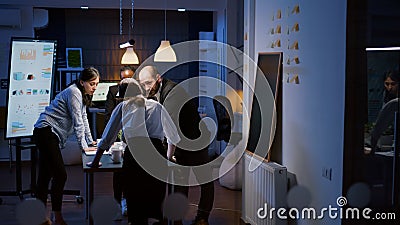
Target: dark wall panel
[{"x": 97, "y": 32}]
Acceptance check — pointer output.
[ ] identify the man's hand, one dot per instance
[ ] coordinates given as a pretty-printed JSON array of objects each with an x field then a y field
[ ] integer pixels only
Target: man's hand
[{"x": 172, "y": 159}]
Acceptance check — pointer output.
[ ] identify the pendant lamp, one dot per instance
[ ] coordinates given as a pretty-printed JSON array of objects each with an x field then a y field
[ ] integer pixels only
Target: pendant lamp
[
  {"x": 165, "y": 53},
  {"x": 130, "y": 56}
]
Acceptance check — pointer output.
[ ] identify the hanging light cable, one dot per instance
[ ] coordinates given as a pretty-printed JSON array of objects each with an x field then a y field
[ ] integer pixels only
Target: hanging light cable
[
  {"x": 129, "y": 56},
  {"x": 165, "y": 53}
]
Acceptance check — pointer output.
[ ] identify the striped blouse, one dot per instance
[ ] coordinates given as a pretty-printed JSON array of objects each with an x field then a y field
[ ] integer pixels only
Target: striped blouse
[{"x": 66, "y": 114}]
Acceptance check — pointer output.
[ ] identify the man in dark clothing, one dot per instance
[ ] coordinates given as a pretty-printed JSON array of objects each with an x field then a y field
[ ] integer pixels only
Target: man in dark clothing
[
  {"x": 190, "y": 128},
  {"x": 113, "y": 92}
]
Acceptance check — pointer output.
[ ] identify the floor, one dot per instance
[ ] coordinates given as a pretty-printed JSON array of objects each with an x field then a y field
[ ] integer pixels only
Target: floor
[{"x": 226, "y": 209}]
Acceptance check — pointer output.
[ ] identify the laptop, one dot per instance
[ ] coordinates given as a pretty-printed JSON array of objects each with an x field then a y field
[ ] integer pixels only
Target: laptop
[{"x": 100, "y": 95}]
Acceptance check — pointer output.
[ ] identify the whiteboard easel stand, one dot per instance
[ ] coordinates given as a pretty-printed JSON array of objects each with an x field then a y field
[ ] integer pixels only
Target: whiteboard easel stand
[{"x": 19, "y": 146}]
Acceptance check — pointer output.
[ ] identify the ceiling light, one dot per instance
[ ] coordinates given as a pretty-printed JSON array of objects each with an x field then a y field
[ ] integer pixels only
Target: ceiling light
[
  {"x": 383, "y": 49},
  {"x": 181, "y": 9},
  {"x": 165, "y": 53},
  {"x": 129, "y": 56}
]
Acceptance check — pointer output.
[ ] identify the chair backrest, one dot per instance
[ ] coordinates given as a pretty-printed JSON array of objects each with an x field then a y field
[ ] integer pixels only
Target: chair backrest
[{"x": 224, "y": 114}]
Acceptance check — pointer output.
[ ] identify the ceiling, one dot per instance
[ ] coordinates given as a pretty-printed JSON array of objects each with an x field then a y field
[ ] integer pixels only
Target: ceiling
[
  {"x": 383, "y": 23},
  {"x": 384, "y": 7},
  {"x": 375, "y": 7},
  {"x": 201, "y": 5},
  {"x": 383, "y": 15}
]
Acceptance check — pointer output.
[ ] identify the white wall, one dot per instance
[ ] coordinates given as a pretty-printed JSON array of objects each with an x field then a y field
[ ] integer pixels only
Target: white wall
[
  {"x": 313, "y": 110},
  {"x": 6, "y": 33}
]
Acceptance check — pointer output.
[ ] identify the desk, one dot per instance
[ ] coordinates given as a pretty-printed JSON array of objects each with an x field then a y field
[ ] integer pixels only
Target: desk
[
  {"x": 94, "y": 112},
  {"x": 108, "y": 166},
  {"x": 378, "y": 173}
]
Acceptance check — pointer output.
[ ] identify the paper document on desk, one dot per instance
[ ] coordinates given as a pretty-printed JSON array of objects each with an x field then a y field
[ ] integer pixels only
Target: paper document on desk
[{"x": 94, "y": 152}]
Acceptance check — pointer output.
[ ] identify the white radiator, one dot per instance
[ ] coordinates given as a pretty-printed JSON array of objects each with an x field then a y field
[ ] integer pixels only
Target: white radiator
[{"x": 265, "y": 186}]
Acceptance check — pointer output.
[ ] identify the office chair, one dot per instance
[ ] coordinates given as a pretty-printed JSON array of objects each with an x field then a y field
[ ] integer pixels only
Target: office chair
[{"x": 224, "y": 114}]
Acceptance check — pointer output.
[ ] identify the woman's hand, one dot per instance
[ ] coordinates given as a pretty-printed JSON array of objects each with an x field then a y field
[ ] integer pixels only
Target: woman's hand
[
  {"x": 89, "y": 149},
  {"x": 90, "y": 164},
  {"x": 93, "y": 144}
]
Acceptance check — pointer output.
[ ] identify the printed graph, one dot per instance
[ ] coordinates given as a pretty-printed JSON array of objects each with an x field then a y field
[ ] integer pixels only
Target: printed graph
[{"x": 27, "y": 54}]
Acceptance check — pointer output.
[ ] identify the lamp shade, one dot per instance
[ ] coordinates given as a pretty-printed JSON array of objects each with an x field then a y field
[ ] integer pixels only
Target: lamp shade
[
  {"x": 129, "y": 57},
  {"x": 165, "y": 53}
]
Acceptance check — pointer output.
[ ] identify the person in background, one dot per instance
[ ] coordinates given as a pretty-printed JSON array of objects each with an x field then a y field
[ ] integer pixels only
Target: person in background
[
  {"x": 386, "y": 116},
  {"x": 66, "y": 115},
  {"x": 391, "y": 82},
  {"x": 188, "y": 122},
  {"x": 144, "y": 193},
  {"x": 114, "y": 96},
  {"x": 113, "y": 92}
]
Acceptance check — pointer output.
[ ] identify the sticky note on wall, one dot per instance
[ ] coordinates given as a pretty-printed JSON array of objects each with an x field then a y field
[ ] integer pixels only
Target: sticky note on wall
[
  {"x": 295, "y": 45},
  {"x": 295, "y": 79},
  {"x": 295, "y": 27},
  {"x": 278, "y": 29},
  {"x": 272, "y": 44},
  {"x": 278, "y": 43},
  {"x": 296, "y": 60},
  {"x": 296, "y": 9},
  {"x": 279, "y": 14}
]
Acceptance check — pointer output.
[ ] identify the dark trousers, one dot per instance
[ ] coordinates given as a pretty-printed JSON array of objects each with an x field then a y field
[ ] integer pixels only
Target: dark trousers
[
  {"x": 144, "y": 193},
  {"x": 198, "y": 158},
  {"x": 51, "y": 167},
  {"x": 206, "y": 198},
  {"x": 118, "y": 186},
  {"x": 118, "y": 183}
]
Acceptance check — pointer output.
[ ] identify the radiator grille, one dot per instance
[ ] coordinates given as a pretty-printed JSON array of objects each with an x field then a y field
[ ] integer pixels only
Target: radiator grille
[{"x": 266, "y": 184}]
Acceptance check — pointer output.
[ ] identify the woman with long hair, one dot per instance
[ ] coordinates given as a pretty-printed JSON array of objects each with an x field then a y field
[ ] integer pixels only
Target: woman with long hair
[
  {"x": 391, "y": 81},
  {"x": 145, "y": 123},
  {"x": 66, "y": 115}
]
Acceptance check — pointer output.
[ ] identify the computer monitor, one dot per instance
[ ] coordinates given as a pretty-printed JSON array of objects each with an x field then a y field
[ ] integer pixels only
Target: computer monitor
[{"x": 100, "y": 95}]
